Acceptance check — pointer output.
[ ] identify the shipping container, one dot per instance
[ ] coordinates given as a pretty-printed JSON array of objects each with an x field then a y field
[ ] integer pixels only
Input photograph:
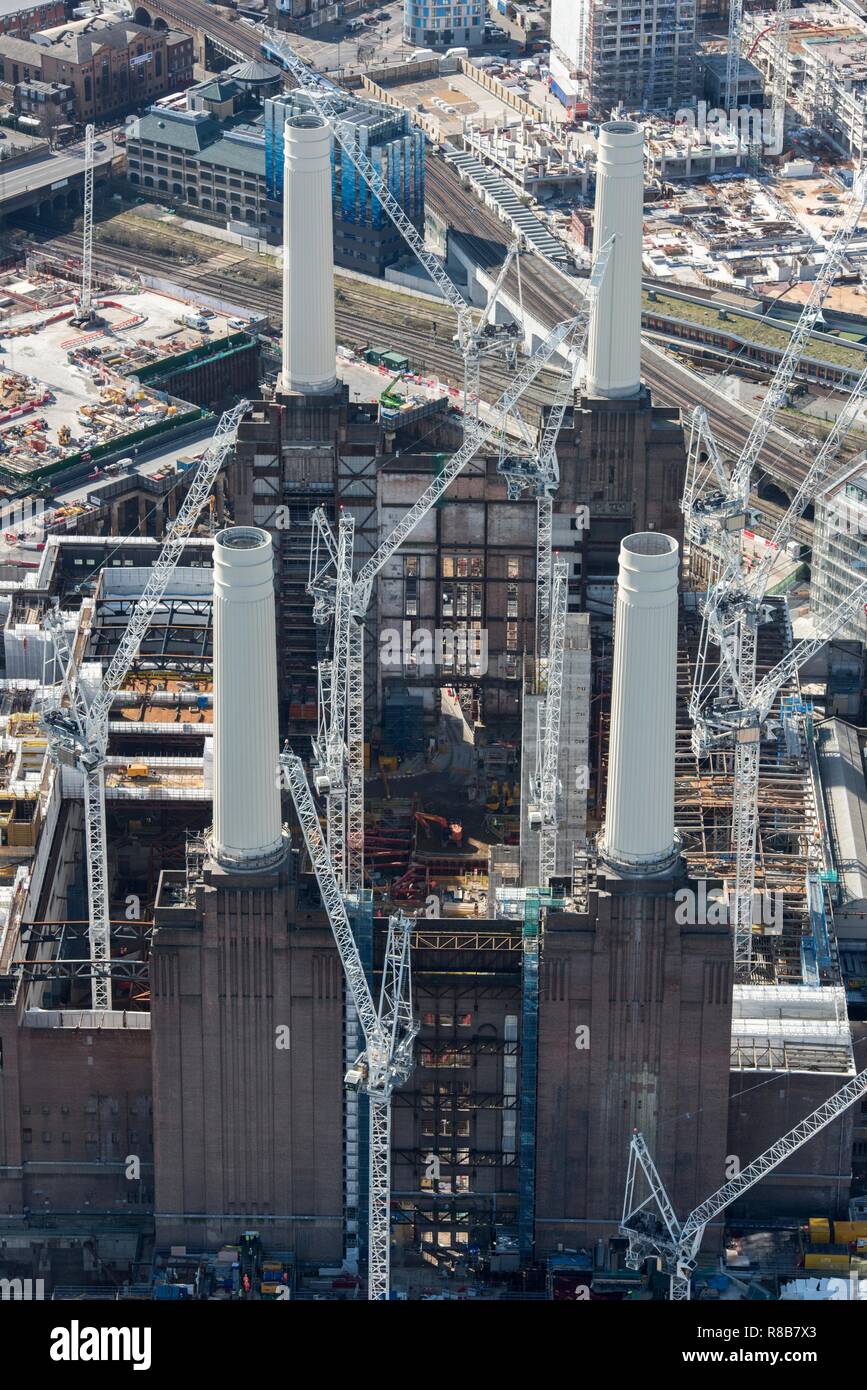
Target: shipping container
[
  {"x": 846, "y": 1231},
  {"x": 837, "y": 1264}
]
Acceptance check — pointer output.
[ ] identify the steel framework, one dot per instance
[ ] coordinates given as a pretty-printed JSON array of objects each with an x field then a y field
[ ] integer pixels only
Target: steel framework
[
  {"x": 85, "y": 300},
  {"x": 389, "y": 1028},
  {"x": 77, "y": 730},
  {"x": 723, "y": 703}
]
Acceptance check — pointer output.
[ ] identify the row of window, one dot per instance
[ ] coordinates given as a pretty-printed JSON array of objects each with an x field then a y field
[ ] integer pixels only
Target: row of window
[{"x": 462, "y": 567}]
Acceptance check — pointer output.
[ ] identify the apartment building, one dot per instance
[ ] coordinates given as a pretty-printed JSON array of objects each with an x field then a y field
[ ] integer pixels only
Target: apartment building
[
  {"x": 22, "y": 17},
  {"x": 826, "y": 70},
  {"x": 638, "y": 53},
  {"x": 224, "y": 155},
  {"x": 365, "y": 238},
  {"x": 840, "y": 547},
  {"x": 110, "y": 66},
  {"x": 441, "y": 23},
  {"x": 188, "y": 156}
]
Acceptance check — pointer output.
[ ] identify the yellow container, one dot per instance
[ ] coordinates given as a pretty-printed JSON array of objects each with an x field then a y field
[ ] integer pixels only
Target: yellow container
[
  {"x": 838, "y": 1264},
  {"x": 820, "y": 1231},
  {"x": 844, "y": 1231}
]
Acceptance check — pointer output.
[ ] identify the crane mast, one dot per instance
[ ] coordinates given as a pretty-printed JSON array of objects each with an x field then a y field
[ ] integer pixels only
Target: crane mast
[
  {"x": 77, "y": 732},
  {"x": 85, "y": 300},
  {"x": 389, "y": 1028},
  {"x": 544, "y": 814}
]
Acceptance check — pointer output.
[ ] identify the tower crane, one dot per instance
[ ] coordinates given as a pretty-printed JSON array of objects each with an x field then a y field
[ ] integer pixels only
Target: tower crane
[
  {"x": 780, "y": 63},
  {"x": 84, "y": 311},
  {"x": 722, "y": 703},
  {"x": 660, "y": 1235},
  {"x": 742, "y": 719},
  {"x": 76, "y": 727},
  {"x": 331, "y": 586},
  {"x": 388, "y": 1027},
  {"x": 733, "y": 53},
  {"x": 327, "y": 587},
  {"x": 542, "y": 814},
  {"x": 475, "y": 340}
]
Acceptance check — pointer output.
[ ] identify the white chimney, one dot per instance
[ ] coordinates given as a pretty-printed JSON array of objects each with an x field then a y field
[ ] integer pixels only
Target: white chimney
[
  {"x": 247, "y": 831},
  {"x": 614, "y": 348},
  {"x": 308, "y": 258},
  {"x": 639, "y": 835}
]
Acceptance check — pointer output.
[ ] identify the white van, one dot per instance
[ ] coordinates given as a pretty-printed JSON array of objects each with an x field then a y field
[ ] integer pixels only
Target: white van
[{"x": 421, "y": 55}]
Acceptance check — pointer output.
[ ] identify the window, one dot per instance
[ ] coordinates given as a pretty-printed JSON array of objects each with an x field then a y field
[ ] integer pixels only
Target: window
[
  {"x": 448, "y": 601},
  {"x": 511, "y": 600},
  {"x": 511, "y": 637},
  {"x": 447, "y": 1057}
]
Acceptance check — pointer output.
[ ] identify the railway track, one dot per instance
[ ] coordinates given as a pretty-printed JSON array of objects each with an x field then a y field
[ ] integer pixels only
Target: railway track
[
  {"x": 400, "y": 319},
  {"x": 354, "y": 312}
]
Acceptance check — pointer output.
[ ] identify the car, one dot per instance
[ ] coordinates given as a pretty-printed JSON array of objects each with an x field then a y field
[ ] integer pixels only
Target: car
[
  {"x": 2, "y": 134},
  {"x": 383, "y": 14},
  {"x": 100, "y": 145}
]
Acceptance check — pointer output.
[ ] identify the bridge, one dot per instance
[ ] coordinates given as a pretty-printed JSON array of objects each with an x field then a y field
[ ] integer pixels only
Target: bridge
[
  {"x": 221, "y": 38},
  {"x": 51, "y": 183}
]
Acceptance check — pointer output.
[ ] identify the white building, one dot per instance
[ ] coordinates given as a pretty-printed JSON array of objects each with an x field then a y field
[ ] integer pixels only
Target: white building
[
  {"x": 444, "y": 23},
  {"x": 640, "y": 53}
]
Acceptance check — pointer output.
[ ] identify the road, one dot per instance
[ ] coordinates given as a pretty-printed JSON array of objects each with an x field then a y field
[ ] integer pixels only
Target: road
[{"x": 46, "y": 169}]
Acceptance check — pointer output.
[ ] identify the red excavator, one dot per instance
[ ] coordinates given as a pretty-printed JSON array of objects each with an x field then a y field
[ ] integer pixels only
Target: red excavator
[{"x": 453, "y": 831}]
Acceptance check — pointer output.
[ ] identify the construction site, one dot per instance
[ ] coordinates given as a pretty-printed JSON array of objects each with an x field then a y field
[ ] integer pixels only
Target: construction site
[{"x": 431, "y": 829}]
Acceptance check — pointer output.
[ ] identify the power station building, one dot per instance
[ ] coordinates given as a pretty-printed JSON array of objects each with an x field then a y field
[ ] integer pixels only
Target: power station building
[{"x": 552, "y": 1024}]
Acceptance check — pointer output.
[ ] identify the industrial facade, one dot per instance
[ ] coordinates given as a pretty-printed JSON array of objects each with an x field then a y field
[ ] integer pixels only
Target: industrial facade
[{"x": 247, "y": 1056}]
